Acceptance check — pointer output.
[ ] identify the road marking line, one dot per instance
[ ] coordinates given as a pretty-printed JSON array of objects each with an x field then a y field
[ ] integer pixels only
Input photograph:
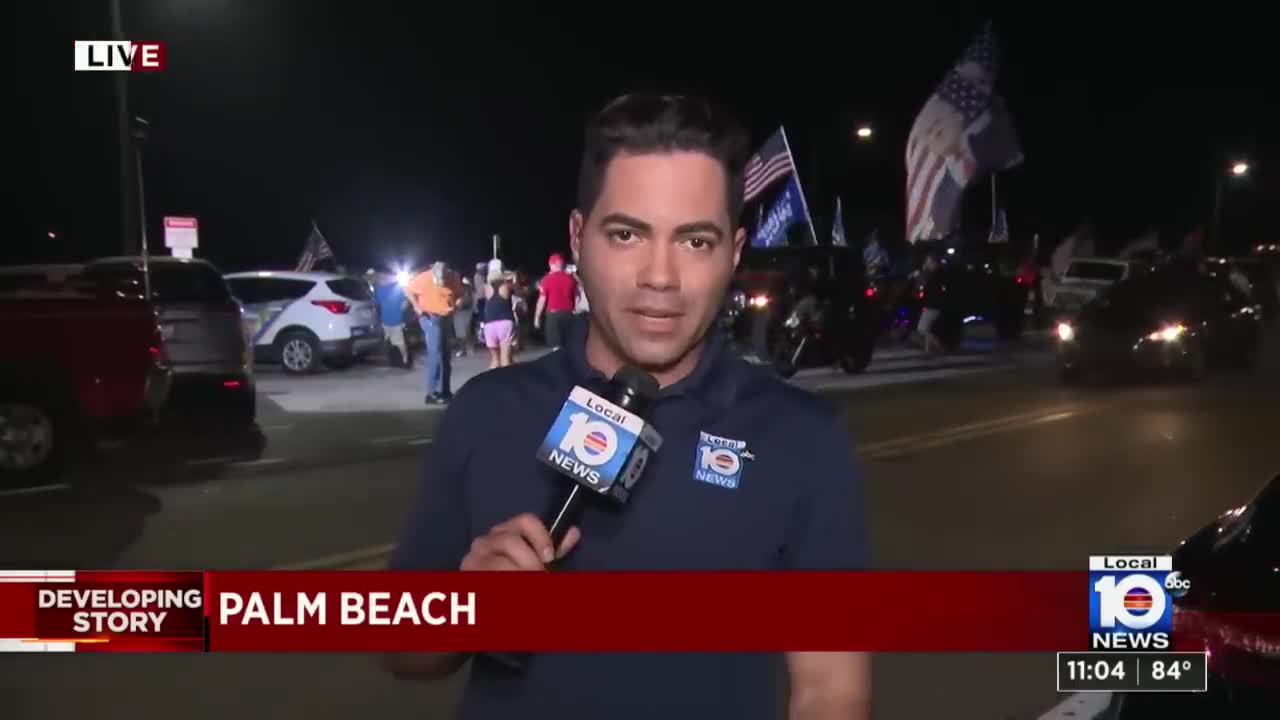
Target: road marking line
[
  {"x": 338, "y": 561},
  {"x": 422, "y": 441},
  {"x": 1079, "y": 706},
  {"x": 392, "y": 439},
  {"x": 259, "y": 461},
  {"x": 219, "y": 460},
  {"x": 966, "y": 430},
  {"x": 37, "y": 490}
]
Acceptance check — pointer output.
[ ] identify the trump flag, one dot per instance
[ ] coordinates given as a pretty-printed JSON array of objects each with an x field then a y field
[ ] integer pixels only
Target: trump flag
[
  {"x": 963, "y": 131},
  {"x": 787, "y": 210}
]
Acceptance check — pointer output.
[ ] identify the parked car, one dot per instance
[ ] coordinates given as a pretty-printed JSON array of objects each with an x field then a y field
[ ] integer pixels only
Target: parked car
[
  {"x": 1231, "y": 612},
  {"x": 201, "y": 323},
  {"x": 1081, "y": 282},
  {"x": 303, "y": 319},
  {"x": 795, "y": 307},
  {"x": 1174, "y": 320},
  {"x": 80, "y": 360}
]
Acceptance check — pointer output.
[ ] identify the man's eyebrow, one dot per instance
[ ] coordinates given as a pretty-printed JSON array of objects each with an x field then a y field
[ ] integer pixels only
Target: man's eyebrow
[
  {"x": 702, "y": 226},
  {"x": 617, "y": 218}
]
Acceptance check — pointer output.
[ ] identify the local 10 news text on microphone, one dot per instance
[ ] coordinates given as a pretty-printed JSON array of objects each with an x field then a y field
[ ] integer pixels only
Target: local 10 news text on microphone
[{"x": 379, "y": 611}]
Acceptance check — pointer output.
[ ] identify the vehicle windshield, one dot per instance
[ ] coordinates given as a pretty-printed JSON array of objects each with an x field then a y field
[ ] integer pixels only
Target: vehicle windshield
[{"x": 1094, "y": 271}]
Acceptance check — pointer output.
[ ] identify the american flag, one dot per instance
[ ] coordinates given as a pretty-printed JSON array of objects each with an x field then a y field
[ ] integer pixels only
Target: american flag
[
  {"x": 316, "y": 249},
  {"x": 772, "y": 162},
  {"x": 964, "y": 129}
]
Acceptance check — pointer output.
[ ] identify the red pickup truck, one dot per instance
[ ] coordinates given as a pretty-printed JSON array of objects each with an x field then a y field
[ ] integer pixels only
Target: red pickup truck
[{"x": 72, "y": 362}]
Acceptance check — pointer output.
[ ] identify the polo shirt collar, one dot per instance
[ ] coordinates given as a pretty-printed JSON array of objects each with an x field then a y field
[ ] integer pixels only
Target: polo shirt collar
[{"x": 711, "y": 383}]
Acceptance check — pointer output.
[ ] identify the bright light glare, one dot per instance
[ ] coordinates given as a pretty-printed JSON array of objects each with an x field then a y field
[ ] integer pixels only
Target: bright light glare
[
  {"x": 951, "y": 251},
  {"x": 864, "y": 132},
  {"x": 1240, "y": 168},
  {"x": 402, "y": 277},
  {"x": 1065, "y": 332},
  {"x": 760, "y": 301},
  {"x": 1169, "y": 334}
]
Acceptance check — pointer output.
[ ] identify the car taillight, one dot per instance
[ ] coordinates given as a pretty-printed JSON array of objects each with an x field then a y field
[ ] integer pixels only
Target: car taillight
[
  {"x": 337, "y": 307},
  {"x": 870, "y": 292},
  {"x": 156, "y": 353}
]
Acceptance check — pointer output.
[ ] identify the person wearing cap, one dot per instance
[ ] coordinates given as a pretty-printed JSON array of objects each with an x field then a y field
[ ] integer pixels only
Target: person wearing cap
[
  {"x": 434, "y": 294},
  {"x": 557, "y": 294}
]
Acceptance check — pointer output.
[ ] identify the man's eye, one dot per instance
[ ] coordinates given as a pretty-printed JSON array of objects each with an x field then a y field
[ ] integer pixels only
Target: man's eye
[
  {"x": 699, "y": 243},
  {"x": 621, "y": 235}
]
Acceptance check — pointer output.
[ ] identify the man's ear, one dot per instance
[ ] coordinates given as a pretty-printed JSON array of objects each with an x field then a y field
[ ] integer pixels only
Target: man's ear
[
  {"x": 739, "y": 240},
  {"x": 576, "y": 224}
]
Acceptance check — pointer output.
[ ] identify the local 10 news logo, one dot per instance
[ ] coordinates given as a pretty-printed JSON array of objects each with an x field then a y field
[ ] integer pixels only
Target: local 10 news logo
[
  {"x": 601, "y": 446},
  {"x": 1131, "y": 601}
]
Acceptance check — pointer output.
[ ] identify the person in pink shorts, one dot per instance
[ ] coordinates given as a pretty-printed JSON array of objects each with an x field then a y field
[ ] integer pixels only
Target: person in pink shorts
[{"x": 499, "y": 323}]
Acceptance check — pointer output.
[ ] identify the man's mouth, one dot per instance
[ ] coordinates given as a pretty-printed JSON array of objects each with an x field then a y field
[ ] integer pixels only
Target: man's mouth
[{"x": 656, "y": 313}]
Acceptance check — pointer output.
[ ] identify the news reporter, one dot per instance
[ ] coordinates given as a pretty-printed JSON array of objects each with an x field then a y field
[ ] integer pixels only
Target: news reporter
[{"x": 656, "y": 239}]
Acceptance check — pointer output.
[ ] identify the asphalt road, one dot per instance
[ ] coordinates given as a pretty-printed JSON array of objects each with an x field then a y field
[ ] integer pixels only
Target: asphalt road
[{"x": 1004, "y": 469}]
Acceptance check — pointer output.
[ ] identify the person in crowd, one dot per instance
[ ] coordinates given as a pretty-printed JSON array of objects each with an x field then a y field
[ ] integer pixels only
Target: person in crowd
[
  {"x": 389, "y": 293},
  {"x": 478, "y": 284},
  {"x": 462, "y": 316},
  {"x": 657, "y": 233},
  {"x": 499, "y": 322},
  {"x": 556, "y": 294},
  {"x": 931, "y": 304},
  {"x": 433, "y": 298}
]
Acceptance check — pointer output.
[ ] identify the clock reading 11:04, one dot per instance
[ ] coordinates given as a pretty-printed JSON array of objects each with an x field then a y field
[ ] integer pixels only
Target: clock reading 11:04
[{"x": 1095, "y": 669}]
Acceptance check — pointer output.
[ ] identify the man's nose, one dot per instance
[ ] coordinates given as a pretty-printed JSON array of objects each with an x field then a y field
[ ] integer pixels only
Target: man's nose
[{"x": 659, "y": 269}]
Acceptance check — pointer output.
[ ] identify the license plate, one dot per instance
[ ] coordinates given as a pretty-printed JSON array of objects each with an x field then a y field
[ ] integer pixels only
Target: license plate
[{"x": 360, "y": 331}]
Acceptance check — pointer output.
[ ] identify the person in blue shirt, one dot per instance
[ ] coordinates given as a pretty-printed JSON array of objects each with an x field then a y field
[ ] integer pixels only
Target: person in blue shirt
[
  {"x": 390, "y": 297},
  {"x": 656, "y": 237}
]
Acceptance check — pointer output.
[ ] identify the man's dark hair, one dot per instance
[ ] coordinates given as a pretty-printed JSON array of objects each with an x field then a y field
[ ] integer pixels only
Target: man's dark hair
[{"x": 648, "y": 123}]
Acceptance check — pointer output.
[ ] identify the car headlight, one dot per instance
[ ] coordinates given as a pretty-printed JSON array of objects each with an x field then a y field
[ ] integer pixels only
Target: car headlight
[
  {"x": 403, "y": 277},
  {"x": 760, "y": 301},
  {"x": 737, "y": 300},
  {"x": 1066, "y": 333},
  {"x": 1167, "y": 334}
]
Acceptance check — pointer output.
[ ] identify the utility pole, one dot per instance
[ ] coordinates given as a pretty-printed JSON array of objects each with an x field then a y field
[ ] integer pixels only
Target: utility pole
[{"x": 128, "y": 227}]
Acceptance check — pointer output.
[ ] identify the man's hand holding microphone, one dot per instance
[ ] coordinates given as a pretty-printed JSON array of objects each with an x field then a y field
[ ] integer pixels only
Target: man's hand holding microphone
[{"x": 603, "y": 444}]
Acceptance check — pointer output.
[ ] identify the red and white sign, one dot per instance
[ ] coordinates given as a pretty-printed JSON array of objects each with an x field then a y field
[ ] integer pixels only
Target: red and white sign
[
  {"x": 180, "y": 235},
  {"x": 119, "y": 56}
]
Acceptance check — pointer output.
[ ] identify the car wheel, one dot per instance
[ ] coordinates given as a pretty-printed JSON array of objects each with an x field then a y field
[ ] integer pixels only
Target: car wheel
[
  {"x": 857, "y": 358},
  {"x": 299, "y": 353},
  {"x": 34, "y": 440},
  {"x": 1195, "y": 367},
  {"x": 244, "y": 408}
]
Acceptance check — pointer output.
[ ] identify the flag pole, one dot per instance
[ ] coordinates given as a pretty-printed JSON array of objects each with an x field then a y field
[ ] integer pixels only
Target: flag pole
[
  {"x": 993, "y": 199},
  {"x": 799, "y": 185}
]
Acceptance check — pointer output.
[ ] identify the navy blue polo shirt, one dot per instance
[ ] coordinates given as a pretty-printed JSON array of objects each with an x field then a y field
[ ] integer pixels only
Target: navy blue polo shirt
[{"x": 797, "y": 504}]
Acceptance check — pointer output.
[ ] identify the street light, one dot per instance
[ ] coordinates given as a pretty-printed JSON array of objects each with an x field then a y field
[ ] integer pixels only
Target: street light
[
  {"x": 1239, "y": 169},
  {"x": 864, "y": 132}
]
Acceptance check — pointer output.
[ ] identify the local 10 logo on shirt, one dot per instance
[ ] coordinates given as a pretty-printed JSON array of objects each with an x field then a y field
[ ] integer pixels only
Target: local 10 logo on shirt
[{"x": 1131, "y": 601}]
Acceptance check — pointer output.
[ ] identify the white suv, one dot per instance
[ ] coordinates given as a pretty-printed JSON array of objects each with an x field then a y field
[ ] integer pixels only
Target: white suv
[{"x": 300, "y": 319}]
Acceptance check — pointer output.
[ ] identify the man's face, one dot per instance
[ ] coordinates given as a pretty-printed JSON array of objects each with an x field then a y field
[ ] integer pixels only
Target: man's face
[{"x": 656, "y": 254}]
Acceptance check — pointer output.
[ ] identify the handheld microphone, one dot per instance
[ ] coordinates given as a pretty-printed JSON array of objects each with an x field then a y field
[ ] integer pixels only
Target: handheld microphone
[{"x": 601, "y": 443}]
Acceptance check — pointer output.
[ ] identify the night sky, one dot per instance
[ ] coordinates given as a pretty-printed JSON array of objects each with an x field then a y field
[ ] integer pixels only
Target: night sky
[{"x": 411, "y": 132}]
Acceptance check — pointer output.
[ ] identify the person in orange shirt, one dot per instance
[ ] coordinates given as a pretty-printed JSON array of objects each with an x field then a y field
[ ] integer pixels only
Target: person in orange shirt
[{"x": 434, "y": 294}]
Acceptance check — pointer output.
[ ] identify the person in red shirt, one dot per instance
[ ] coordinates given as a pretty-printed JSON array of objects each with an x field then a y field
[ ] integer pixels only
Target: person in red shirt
[{"x": 557, "y": 295}]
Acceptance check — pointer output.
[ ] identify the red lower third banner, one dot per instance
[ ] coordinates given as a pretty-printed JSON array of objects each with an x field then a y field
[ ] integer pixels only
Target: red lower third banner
[
  {"x": 713, "y": 611},
  {"x": 719, "y": 611}
]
